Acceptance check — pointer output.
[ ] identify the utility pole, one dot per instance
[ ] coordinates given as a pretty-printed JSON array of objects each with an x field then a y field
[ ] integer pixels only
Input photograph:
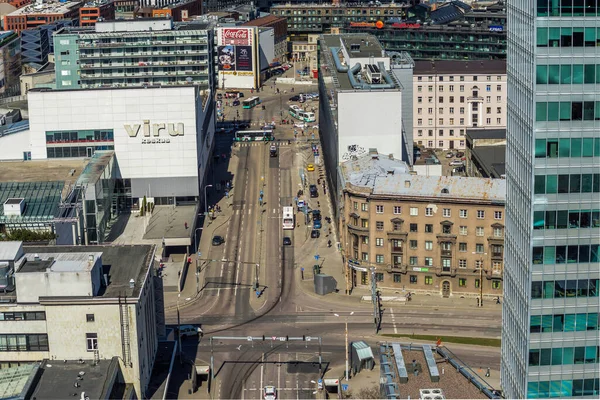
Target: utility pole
[
  {"x": 374, "y": 299},
  {"x": 480, "y": 268},
  {"x": 179, "y": 329}
]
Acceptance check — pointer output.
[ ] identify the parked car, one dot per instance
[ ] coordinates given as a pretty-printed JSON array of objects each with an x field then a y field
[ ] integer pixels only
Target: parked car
[
  {"x": 217, "y": 240},
  {"x": 219, "y": 96},
  {"x": 313, "y": 191},
  {"x": 287, "y": 241},
  {"x": 236, "y": 103},
  {"x": 190, "y": 330},
  {"x": 315, "y": 234},
  {"x": 270, "y": 393},
  {"x": 310, "y": 167},
  {"x": 460, "y": 154},
  {"x": 450, "y": 155},
  {"x": 295, "y": 98},
  {"x": 316, "y": 215},
  {"x": 317, "y": 224},
  {"x": 456, "y": 163}
]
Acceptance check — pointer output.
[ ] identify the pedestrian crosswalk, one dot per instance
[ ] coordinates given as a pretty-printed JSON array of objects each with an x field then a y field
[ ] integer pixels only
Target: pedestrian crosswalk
[{"x": 253, "y": 144}]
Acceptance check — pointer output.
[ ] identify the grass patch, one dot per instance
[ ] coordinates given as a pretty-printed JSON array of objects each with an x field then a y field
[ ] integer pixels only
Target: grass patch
[{"x": 450, "y": 339}]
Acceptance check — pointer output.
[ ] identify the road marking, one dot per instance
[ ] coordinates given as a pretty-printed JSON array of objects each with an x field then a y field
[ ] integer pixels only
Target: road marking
[
  {"x": 249, "y": 211},
  {"x": 393, "y": 320},
  {"x": 274, "y": 210},
  {"x": 279, "y": 372},
  {"x": 297, "y": 390},
  {"x": 262, "y": 365}
]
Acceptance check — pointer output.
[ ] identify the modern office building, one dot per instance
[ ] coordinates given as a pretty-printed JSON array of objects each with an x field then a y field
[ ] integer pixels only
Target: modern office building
[
  {"x": 41, "y": 13},
  {"x": 94, "y": 10},
  {"x": 37, "y": 43},
  {"x": 10, "y": 63},
  {"x": 550, "y": 337},
  {"x": 134, "y": 53},
  {"x": 361, "y": 102},
  {"x": 441, "y": 235},
  {"x": 86, "y": 303},
  {"x": 452, "y": 96}
]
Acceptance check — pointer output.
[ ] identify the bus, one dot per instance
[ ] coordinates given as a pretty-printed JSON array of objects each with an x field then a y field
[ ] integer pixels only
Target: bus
[
  {"x": 264, "y": 135},
  {"x": 306, "y": 116},
  {"x": 294, "y": 110},
  {"x": 288, "y": 218},
  {"x": 251, "y": 102}
]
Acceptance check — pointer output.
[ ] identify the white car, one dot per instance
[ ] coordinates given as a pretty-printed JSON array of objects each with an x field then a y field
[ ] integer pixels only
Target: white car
[
  {"x": 190, "y": 330},
  {"x": 300, "y": 125},
  {"x": 270, "y": 393},
  {"x": 456, "y": 163}
]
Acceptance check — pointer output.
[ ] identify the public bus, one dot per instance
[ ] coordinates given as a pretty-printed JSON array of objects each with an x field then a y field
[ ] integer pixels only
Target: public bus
[
  {"x": 294, "y": 110},
  {"x": 251, "y": 102},
  {"x": 264, "y": 135},
  {"x": 288, "y": 218},
  {"x": 306, "y": 116}
]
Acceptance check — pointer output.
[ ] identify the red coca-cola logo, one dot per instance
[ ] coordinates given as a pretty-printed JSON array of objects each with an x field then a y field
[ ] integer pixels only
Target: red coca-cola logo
[{"x": 235, "y": 34}]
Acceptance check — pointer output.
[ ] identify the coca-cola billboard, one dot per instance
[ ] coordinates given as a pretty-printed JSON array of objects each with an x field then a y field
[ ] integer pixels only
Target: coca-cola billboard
[{"x": 236, "y": 36}]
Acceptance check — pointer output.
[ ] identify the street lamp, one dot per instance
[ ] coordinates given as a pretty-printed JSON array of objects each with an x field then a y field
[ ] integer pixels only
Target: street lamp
[
  {"x": 480, "y": 269},
  {"x": 346, "y": 332},
  {"x": 179, "y": 327},
  {"x": 205, "y": 201}
]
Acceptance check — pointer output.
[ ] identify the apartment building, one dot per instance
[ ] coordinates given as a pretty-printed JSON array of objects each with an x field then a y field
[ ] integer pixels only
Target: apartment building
[
  {"x": 91, "y": 11},
  {"x": 304, "y": 53},
  {"x": 88, "y": 303},
  {"x": 134, "y": 53},
  {"x": 34, "y": 15},
  {"x": 550, "y": 340},
  {"x": 428, "y": 234},
  {"x": 452, "y": 96},
  {"x": 10, "y": 63}
]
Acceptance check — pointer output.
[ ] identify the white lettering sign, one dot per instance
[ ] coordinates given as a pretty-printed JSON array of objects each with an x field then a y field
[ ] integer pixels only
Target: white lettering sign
[{"x": 175, "y": 129}]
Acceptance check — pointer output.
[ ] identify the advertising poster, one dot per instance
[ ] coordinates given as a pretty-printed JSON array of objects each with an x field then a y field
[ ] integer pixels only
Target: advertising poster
[
  {"x": 226, "y": 58},
  {"x": 236, "y": 36},
  {"x": 243, "y": 55}
]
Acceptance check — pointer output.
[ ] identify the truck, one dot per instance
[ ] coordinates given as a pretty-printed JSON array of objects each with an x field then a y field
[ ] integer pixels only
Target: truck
[{"x": 273, "y": 150}]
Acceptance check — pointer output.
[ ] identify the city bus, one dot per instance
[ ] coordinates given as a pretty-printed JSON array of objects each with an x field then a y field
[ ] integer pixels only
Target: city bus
[
  {"x": 264, "y": 135},
  {"x": 288, "y": 218},
  {"x": 251, "y": 102},
  {"x": 294, "y": 110},
  {"x": 306, "y": 116}
]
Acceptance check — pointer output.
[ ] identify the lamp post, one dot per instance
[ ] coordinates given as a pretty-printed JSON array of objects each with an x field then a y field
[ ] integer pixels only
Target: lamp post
[
  {"x": 205, "y": 200},
  {"x": 480, "y": 268},
  {"x": 346, "y": 332},
  {"x": 179, "y": 328}
]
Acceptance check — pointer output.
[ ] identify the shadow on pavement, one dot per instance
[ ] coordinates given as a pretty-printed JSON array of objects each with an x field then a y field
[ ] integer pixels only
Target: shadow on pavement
[{"x": 119, "y": 226}]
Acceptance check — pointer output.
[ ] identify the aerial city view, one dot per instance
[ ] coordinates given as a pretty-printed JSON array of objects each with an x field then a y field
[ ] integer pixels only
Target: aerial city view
[{"x": 299, "y": 199}]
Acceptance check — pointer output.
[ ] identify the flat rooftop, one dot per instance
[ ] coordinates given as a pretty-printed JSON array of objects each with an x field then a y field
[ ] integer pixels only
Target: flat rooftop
[
  {"x": 364, "y": 170},
  {"x": 486, "y": 134},
  {"x": 168, "y": 222},
  {"x": 61, "y": 262},
  {"x": 492, "y": 159},
  {"x": 57, "y": 379},
  {"x": 41, "y": 199},
  {"x": 476, "y": 67},
  {"x": 121, "y": 263},
  {"x": 368, "y": 45},
  {"x": 47, "y": 7},
  {"x": 42, "y": 170}
]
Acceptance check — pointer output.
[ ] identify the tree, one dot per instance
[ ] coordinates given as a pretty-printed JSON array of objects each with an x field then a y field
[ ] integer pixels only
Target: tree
[{"x": 367, "y": 393}]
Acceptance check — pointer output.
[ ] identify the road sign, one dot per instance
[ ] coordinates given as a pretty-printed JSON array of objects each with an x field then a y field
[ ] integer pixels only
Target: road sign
[
  {"x": 273, "y": 337},
  {"x": 320, "y": 384},
  {"x": 302, "y": 269},
  {"x": 344, "y": 388},
  {"x": 308, "y": 338},
  {"x": 249, "y": 338},
  {"x": 317, "y": 257},
  {"x": 282, "y": 338},
  {"x": 199, "y": 254}
]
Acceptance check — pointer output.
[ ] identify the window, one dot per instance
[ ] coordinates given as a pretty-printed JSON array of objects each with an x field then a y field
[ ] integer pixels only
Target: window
[
  {"x": 65, "y": 72},
  {"x": 66, "y": 83},
  {"x": 498, "y": 232},
  {"x": 379, "y": 242},
  {"x": 379, "y": 225},
  {"x": 64, "y": 41},
  {"x": 364, "y": 207},
  {"x": 89, "y": 317},
  {"x": 428, "y": 228},
  {"x": 414, "y": 260},
  {"x": 364, "y": 239},
  {"x": 447, "y": 229},
  {"x": 428, "y": 211},
  {"x": 413, "y": 244},
  {"x": 462, "y": 230},
  {"x": 419, "y": 89},
  {"x": 498, "y": 121},
  {"x": 397, "y": 278},
  {"x": 91, "y": 341},
  {"x": 498, "y": 99},
  {"x": 477, "y": 282},
  {"x": 379, "y": 277},
  {"x": 419, "y": 110},
  {"x": 428, "y": 245},
  {"x": 379, "y": 259},
  {"x": 488, "y": 99},
  {"x": 479, "y": 231},
  {"x": 23, "y": 342},
  {"x": 480, "y": 214},
  {"x": 355, "y": 205},
  {"x": 414, "y": 211},
  {"x": 495, "y": 284},
  {"x": 429, "y": 261},
  {"x": 462, "y": 246},
  {"x": 23, "y": 316},
  {"x": 397, "y": 210},
  {"x": 414, "y": 228},
  {"x": 462, "y": 282},
  {"x": 451, "y": 88},
  {"x": 430, "y": 110},
  {"x": 379, "y": 209},
  {"x": 429, "y": 280},
  {"x": 497, "y": 214},
  {"x": 364, "y": 223},
  {"x": 462, "y": 263},
  {"x": 365, "y": 256},
  {"x": 462, "y": 213},
  {"x": 397, "y": 225},
  {"x": 479, "y": 248},
  {"x": 413, "y": 279},
  {"x": 419, "y": 99},
  {"x": 446, "y": 212}
]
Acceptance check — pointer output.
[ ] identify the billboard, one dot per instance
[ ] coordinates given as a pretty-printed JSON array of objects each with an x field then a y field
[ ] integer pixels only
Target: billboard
[{"x": 237, "y": 55}]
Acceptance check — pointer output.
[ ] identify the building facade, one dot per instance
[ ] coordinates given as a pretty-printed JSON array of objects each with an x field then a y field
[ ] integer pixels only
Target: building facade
[
  {"x": 304, "y": 53},
  {"x": 550, "y": 335},
  {"x": 37, "y": 43},
  {"x": 279, "y": 26},
  {"x": 133, "y": 53},
  {"x": 451, "y": 96},
  {"x": 66, "y": 303},
  {"x": 92, "y": 11},
  {"x": 429, "y": 234},
  {"x": 238, "y": 58},
  {"x": 34, "y": 15},
  {"x": 10, "y": 63}
]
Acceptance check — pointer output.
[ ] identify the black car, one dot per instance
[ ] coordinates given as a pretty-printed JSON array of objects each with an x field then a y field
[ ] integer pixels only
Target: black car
[
  {"x": 236, "y": 103},
  {"x": 219, "y": 96},
  {"x": 316, "y": 215},
  {"x": 287, "y": 241},
  {"x": 295, "y": 98},
  {"x": 217, "y": 240},
  {"x": 315, "y": 234},
  {"x": 313, "y": 191}
]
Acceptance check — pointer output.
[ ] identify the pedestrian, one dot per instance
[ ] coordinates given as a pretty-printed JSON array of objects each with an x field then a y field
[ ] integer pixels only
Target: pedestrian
[{"x": 227, "y": 193}]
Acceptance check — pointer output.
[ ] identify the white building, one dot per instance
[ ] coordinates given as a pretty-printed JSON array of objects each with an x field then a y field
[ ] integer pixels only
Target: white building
[
  {"x": 162, "y": 136},
  {"x": 451, "y": 96},
  {"x": 81, "y": 303}
]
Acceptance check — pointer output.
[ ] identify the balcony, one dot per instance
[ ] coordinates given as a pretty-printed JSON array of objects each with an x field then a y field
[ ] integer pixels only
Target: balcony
[
  {"x": 397, "y": 235},
  {"x": 474, "y": 98},
  {"x": 446, "y": 237},
  {"x": 397, "y": 249},
  {"x": 499, "y": 255},
  {"x": 446, "y": 253},
  {"x": 398, "y": 268}
]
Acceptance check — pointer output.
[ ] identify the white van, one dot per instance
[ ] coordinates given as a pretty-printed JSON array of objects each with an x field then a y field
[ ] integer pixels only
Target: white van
[{"x": 190, "y": 330}]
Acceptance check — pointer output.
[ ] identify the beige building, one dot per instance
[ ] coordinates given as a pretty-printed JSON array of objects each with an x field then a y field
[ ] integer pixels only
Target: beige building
[
  {"x": 88, "y": 303},
  {"x": 429, "y": 234},
  {"x": 451, "y": 96},
  {"x": 304, "y": 54}
]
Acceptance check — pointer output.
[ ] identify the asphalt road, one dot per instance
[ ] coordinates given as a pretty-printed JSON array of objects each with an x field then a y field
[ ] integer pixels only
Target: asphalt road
[{"x": 227, "y": 305}]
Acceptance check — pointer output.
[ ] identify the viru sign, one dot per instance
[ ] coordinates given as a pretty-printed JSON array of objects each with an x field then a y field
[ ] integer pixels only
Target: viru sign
[{"x": 154, "y": 130}]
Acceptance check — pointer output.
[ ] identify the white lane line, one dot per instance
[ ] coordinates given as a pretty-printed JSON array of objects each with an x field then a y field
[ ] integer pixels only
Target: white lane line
[
  {"x": 393, "y": 320},
  {"x": 249, "y": 211},
  {"x": 262, "y": 366},
  {"x": 279, "y": 372}
]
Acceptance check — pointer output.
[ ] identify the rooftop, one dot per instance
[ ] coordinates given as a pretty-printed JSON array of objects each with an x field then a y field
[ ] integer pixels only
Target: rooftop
[
  {"x": 366, "y": 45},
  {"x": 9, "y": 251},
  {"x": 486, "y": 134},
  {"x": 384, "y": 180},
  {"x": 121, "y": 263},
  {"x": 57, "y": 379},
  {"x": 14, "y": 379},
  {"x": 460, "y": 67},
  {"x": 96, "y": 3},
  {"x": 341, "y": 5},
  {"x": 94, "y": 169},
  {"x": 492, "y": 159},
  {"x": 64, "y": 169},
  {"x": 47, "y": 7},
  {"x": 59, "y": 262},
  {"x": 41, "y": 200},
  {"x": 263, "y": 21},
  {"x": 6, "y": 36}
]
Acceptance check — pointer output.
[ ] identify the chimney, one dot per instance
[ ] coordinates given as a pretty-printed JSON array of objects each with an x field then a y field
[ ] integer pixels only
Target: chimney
[
  {"x": 36, "y": 257},
  {"x": 407, "y": 184},
  {"x": 131, "y": 284}
]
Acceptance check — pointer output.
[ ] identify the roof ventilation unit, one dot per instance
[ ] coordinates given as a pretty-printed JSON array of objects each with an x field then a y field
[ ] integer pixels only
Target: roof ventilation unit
[{"x": 373, "y": 73}]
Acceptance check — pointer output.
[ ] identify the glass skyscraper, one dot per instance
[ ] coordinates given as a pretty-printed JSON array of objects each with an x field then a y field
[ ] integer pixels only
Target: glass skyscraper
[{"x": 550, "y": 337}]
